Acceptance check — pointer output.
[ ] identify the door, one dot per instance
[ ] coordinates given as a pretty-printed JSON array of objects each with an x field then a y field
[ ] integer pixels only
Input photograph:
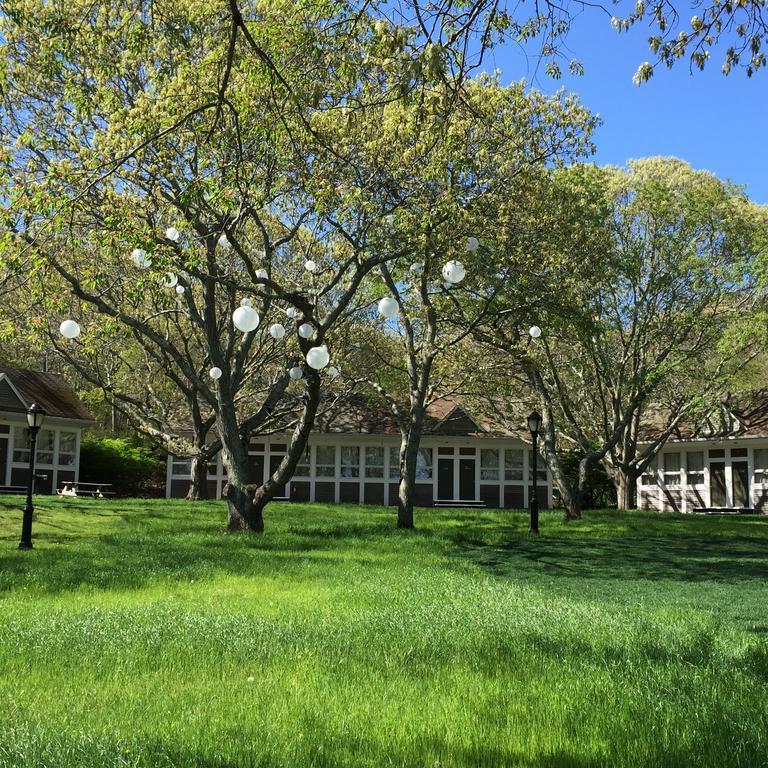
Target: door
[
  {"x": 445, "y": 479},
  {"x": 256, "y": 469},
  {"x": 3, "y": 458},
  {"x": 274, "y": 463},
  {"x": 467, "y": 479},
  {"x": 740, "y": 476},
  {"x": 717, "y": 496}
]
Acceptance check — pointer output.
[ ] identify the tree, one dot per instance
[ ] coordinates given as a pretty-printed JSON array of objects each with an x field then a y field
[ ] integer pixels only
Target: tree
[{"x": 677, "y": 276}]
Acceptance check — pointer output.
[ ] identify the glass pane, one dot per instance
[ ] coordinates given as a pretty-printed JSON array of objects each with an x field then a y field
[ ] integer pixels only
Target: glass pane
[
  {"x": 20, "y": 445},
  {"x": 761, "y": 458},
  {"x": 740, "y": 452},
  {"x": 394, "y": 463},
  {"x": 541, "y": 467},
  {"x": 424, "y": 464},
  {"x": 303, "y": 467},
  {"x": 671, "y": 462},
  {"x": 67, "y": 445},
  {"x": 489, "y": 463},
  {"x": 513, "y": 464},
  {"x": 374, "y": 462},
  {"x": 695, "y": 461},
  {"x": 325, "y": 460},
  {"x": 350, "y": 461}
]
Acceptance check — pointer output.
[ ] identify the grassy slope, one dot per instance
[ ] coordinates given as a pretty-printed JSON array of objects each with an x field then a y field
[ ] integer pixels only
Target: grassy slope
[{"x": 128, "y": 637}]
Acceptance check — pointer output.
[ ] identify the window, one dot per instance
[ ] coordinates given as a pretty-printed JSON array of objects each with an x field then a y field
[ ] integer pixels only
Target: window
[
  {"x": 350, "y": 461},
  {"x": 67, "y": 448},
  {"x": 672, "y": 468},
  {"x": 45, "y": 443},
  {"x": 541, "y": 467},
  {"x": 325, "y": 461},
  {"x": 695, "y": 467},
  {"x": 424, "y": 464},
  {"x": 740, "y": 453},
  {"x": 303, "y": 466},
  {"x": 489, "y": 463},
  {"x": 649, "y": 473},
  {"x": 717, "y": 453},
  {"x": 394, "y": 463},
  {"x": 513, "y": 464},
  {"x": 180, "y": 466},
  {"x": 374, "y": 462},
  {"x": 761, "y": 465},
  {"x": 21, "y": 445}
]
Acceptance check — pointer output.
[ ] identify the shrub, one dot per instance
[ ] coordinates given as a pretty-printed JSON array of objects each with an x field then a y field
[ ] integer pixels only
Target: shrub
[{"x": 131, "y": 467}]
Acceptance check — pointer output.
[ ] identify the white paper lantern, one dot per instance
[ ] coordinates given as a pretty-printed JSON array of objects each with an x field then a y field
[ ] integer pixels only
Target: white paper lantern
[
  {"x": 535, "y": 331},
  {"x": 245, "y": 319},
  {"x": 215, "y": 373},
  {"x": 224, "y": 241},
  {"x": 416, "y": 268},
  {"x": 472, "y": 243},
  {"x": 388, "y": 307},
  {"x": 245, "y": 302},
  {"x": 306, "y": 331},
  {"x": 69, "y": 329},
  {"x": 262, "y": 274},
  {"x": 173, "y": 234},
  {"x": 310, "y": 265},
  {"x": 454, "y": 271},
  {"x": 318, "y": 357},
  {"x": 296, "y": 373},
  {"x": 390, "y": 219},
  {"x": 292, "y": 312},
  {"x": 276, "y": 331},
  {"x": 179, "y": 289},
  {"x": 333, "y": 372},
  {"x": 170, "y": 280},
  {"x": 140, "y": 258}
]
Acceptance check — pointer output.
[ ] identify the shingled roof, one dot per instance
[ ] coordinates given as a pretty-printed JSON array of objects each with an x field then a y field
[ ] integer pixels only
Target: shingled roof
[{"x": 19, "y": 388}]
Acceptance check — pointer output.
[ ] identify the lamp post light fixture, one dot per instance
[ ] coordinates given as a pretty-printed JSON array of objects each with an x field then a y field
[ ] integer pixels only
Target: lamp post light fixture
[
  {"x": 534, "y": 425},
  {"x": 35, "y": 419}
]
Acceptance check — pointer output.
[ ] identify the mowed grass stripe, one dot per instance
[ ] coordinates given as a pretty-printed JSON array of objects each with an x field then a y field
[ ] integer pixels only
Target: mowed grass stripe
[{"x": 138, "y": 633}]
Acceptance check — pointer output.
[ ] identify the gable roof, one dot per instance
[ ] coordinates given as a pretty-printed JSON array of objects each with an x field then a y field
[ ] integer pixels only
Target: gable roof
[
  {"x": 19, "y": 388},
  {"x": 743, "y": 414}
]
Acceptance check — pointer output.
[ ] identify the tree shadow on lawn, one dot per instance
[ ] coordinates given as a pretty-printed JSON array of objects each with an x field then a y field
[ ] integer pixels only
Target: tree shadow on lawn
[{"x": 690, "y": 558}]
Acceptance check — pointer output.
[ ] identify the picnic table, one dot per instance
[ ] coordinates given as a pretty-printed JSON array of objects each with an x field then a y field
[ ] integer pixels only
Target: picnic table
[{"x": 97, "y": 490}]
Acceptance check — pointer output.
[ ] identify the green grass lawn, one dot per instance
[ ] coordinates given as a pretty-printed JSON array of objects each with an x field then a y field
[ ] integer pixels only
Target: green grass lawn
[{"x": 139, "y": 634}]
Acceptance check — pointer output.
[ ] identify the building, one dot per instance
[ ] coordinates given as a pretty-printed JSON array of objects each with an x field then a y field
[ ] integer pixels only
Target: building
[
  {"x": 720, "y": 463},
  {"x": 58, "y": 442},
  {"x": 353, "y": 457}
]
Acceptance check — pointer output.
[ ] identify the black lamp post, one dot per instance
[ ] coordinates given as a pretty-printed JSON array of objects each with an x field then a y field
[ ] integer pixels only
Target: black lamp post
[
  {"x": 534, "y": 425},
  {"x": 35, "y": 419}
]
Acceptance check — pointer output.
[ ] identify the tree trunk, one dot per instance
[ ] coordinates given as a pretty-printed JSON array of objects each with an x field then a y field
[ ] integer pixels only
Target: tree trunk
[
  {"x": 409, "y": 453},
  {"x": 243, "y": 515},
  {"x": 626, "y": 489},
  {"x": 198, "y": 484}
]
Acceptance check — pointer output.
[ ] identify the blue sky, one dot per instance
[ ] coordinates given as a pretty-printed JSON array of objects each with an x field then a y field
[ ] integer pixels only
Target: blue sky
[{"x": 714, "y": 122}]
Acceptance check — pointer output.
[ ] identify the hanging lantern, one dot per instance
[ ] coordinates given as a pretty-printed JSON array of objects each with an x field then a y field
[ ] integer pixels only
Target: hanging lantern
[
  {"x": 535, "y": 331},
  {"x": 140, "y": 259},
  {"x": 170, "y": 280},
  {"x": 416, "y": 268},
  {"x": 69, "y": 329},
  {"x": 390, "y": 219},
  {"x": 179, "y": 289},
  {"x": 173, "y": 234},
  {"x": 224, "y": 241},
  {"x": 472, "y": 243},
  {"x": 215, "y": 373},
  {"x": 245, "y": 319},
  {"x": 310, "y": 266},
  {"x": 333, "y": 372},
  {"x": 454, "y": 271},
  {"x": 245, "y": 302},
  {"x": 306, "y": 331},
  {"x": 292, "y": 312},
  {"x": 388, "y": 307},
  {"x": 296, "y": 373},
  {"x": 262, "y": 274},
  {"x": 318, "y": 357},
  {"x": 276, "y": 331}
]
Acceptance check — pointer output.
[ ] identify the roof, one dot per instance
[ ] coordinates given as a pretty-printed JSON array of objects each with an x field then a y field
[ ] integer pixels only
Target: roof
[
  {"x": 743, "y": 414},
  {"x": 448, "y": 415},
  {"x": 19, "y": 388}
]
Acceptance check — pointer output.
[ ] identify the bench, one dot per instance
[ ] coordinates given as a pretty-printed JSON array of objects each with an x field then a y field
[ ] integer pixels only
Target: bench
[
  {"x": 14, "y": 489},
  {"x": 459, "y": 503},
  {"x": 724, "y": 511}
]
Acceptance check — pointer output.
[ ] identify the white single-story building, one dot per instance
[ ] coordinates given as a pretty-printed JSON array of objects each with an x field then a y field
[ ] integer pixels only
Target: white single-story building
[
  {"x": 720, "y": 464},
  {"x": 353, "y": 457},
  {"x": 58, "y": 442}
]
